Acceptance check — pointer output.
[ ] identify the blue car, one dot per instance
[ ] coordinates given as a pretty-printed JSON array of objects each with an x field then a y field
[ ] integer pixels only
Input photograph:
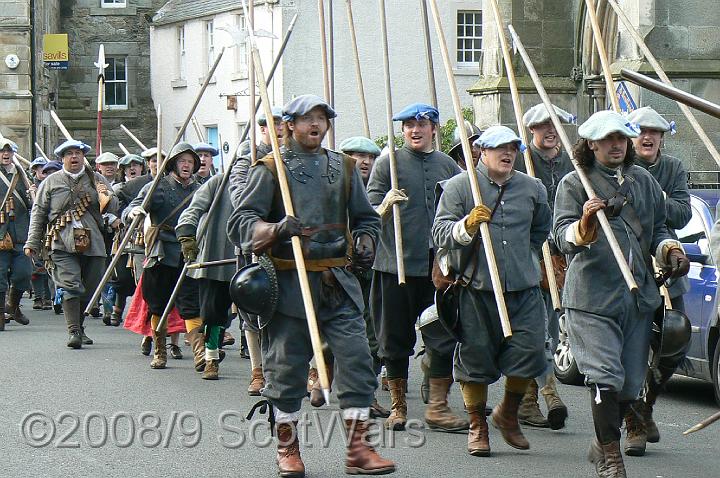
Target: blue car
[{"x": 701, "y": 302}]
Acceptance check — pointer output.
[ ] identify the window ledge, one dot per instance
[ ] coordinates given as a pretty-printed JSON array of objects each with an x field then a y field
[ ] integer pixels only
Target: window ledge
[
  {"x": 212, "y": 81},
  {"x": 466, "y": 70},
  {"x": 126, "y": 11},
  {"x": 239, "y": 75},
  {"x": 179, "y": 83}
]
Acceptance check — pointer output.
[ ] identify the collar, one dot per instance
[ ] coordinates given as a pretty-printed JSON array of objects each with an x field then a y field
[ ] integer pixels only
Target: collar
[
  {"x": 542, "y": 155},
  {"x": 10, "y": 168},
  {"x": 616, "y": 173},
  {"x": 418, "y": 154},
  {"x": 175, "y": 178},
  {"x": 646, "y": 164},
  {"x": 75, "y": 176},
  {"x": 295, "y": 147}
]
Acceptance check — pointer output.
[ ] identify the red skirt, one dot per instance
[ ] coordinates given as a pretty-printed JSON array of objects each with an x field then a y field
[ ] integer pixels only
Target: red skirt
[{"x": 138, "y": 316}]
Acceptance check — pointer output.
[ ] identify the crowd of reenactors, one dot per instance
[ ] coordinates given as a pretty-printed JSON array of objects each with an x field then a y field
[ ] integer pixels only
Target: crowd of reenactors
[{"x": 59, "y": 230}]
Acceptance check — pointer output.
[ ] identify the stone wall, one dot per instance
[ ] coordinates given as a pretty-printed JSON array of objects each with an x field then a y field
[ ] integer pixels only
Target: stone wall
[{"x": 123, "y": 32}]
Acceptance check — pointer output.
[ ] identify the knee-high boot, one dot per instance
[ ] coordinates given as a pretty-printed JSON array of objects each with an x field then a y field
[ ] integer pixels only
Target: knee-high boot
[{"x": 160, "y": 355}]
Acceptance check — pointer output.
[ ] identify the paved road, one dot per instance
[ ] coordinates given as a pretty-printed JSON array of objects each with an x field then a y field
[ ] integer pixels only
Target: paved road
[{"x": 105, "y": 386}]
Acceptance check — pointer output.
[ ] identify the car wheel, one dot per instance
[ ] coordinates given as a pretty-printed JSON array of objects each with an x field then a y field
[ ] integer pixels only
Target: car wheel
[
  {"x": 566, "y": 369},
  {"x": 715, "y": 367}
]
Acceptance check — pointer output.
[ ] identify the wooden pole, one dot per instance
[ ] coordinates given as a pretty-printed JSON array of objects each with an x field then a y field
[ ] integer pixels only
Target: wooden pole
[
  {"x": 358, "y": 71},
  {"x": 133, "y": 137},
  {"x": 251, "y": 87},
  {"x": 153, "y": 185},
  {"x": 664, "y": 78},
  {"x": 472, "y": 175},
  {"x": 23, "y": 160},
  {"x": 197, "y": 129},
  {"x": 708, "y": 421},
  {"x": 42, "y": 153},
  {"x": 397, "y": 223},
  {"x": 431, "y": 68},
  {"x": 602, "y": 53},
  {"x": 517, "y": 107},
  {"x": 123, "y": 149},
  {"x": 325, "y": 68},
  {"x": 602, "y": 218},
  {"x": 331, "y": 52},
  {"x": 290, "y": 211}
]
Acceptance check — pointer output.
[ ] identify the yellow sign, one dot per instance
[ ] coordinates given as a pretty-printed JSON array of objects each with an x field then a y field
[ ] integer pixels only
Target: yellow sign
[{"x": 56, "y": 51}]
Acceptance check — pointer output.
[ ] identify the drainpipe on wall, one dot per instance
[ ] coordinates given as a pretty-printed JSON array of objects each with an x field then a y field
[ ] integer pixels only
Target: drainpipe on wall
[{"x": 33, "y": 110}]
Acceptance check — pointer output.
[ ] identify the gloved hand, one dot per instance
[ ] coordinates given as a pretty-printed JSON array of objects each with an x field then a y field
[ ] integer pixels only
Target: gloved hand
[
  {"x": 265, "y": 234},
  {"x": 588, "y": 228},
  {"x": 189, "y": 247},
  {"x": 136, "y": 211},
  {"x": 477, "y": 216},
  {"x": 363, "y": 253},
  {"x": 392, "y": 197},
  {"x": 679, "y": 263}
]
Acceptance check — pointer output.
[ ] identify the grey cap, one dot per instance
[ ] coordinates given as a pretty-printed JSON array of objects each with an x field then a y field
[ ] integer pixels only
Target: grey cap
[
  {"x": 303, "y": 104},
  {"x": 604, "y": 123},
  {"x": 647, "y": 117},
  {"x": 539, "y": 114},
  {"x": 149, "y": 153},
  {"x": 107, "y": 157},
  {"x": 277, "y": 112}
]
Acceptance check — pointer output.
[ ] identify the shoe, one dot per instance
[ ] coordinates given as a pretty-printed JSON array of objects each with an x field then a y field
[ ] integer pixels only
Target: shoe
[
  {"x": 636, "y": 438},
  {"x": 257, "y": 382},
  {"x": 228, "y": 339},
  {"x": 398, "y": 414},
  {"x": 317, "y": 398},
  {"x": 557, "y": 411},
  {"x": 85, "y": 339},
  {"x": 47, "y": 304},
  {"x": 478, "y": 441},
  {"x": 362, "y": 459},
  {"x": 106, "y": 319},
  {"x": 12, "y": 307},
  {"x": 57, "y": 308},
  {"x": 175, "y": 352},
  {"x": 146, "y": 346},
  {"x": 95, "y": 312},
  {"x": 290, "y": 464},
  {"x": 438, "y": 415},
  {"x": 607, "y": 459},
  {"x": 425, "y": 385},
  {"x": 505, "y": 418},
  {"x": 116, "y": 317},
  {"x": 75, "y": 340},
  {"x": 529, "y": 412},
  {"x": 211, "y": 371},
  {"x": 378, "y": 411},
  {"x": 197, "y": 345},
  {"x": 159, "y": 360},
  {"x": 37, "y": 304},
  {"x": 651, "y": 429}
]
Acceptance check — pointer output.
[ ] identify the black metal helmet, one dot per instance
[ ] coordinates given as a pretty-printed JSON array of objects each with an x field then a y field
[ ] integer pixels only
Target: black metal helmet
[
  {"x": 671, "y": 332},
  {"x": 179, "y": 149},
  {"x": 254, "y": 289},
  {"x": 473, "y": 133}
]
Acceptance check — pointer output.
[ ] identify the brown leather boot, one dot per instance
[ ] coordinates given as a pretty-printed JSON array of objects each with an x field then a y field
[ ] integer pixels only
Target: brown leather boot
[
  {"x": 13, "y": 307},
  {"x": 504, "y": 418},
  {"x": 557, "y": 411},
  {"x": 377, "y": 410},
  {"x": 438, "y": 414},
  {"x": 211, "y": 371},
  {"x": 478, "y": 441},
  {"x": 636, "y": 438},
  {"x": 257, "y": 382},
  {"x": 159, "y": 360},
  {"x": 614, "y": 466},
  {"x": 651, "y": 429},
  {"x": 317, "y": 399},
  {"x": 197, "y": 345},
  {"x": 597, "y": 458},
  {"x": 362, "y": 459},
  {"x": 312, "y": 378},
  {"x": 398, "y": 415},
  {"x": 529, "y": 412},
  {"x": 290, "y": 465}
]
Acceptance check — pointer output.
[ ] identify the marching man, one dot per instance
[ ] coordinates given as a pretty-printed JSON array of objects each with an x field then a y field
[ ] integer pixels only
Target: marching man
[
  {"x": 519, "y": 223},
  {"x": 331, "y": 207},
  {"x": 609, "y": 326}
]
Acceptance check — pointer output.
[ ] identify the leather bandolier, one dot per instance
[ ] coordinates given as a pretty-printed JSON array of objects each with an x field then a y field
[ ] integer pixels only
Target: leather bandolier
[{"x": 320, "y": 197}]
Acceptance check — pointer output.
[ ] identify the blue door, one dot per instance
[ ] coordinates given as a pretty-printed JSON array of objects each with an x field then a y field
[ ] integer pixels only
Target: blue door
[{"x": 212, "y": 138}]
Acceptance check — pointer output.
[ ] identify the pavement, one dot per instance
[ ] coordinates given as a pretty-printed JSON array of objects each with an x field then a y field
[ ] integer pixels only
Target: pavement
[{"x": 101, "y": 411}]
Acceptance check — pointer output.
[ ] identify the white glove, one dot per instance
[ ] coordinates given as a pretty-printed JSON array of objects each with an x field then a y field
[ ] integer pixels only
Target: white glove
[
  {"x": 136, "y": 211},
  {"x": 394, "y": 196}
]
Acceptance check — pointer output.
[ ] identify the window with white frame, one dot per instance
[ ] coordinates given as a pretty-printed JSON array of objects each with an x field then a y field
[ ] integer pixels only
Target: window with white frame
[
  {"x": 210, "y": 42},
  {"x": 113, "y": 3},
  {"x": 181, "y": 56},
  {"x": 116, "y": 84},
  {"x": 469, "y": 38},
  {"x": 241, "y": 54}
]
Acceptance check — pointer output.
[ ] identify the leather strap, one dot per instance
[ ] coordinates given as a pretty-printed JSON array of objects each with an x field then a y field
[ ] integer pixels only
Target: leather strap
[{"x": 311, "y": 265}]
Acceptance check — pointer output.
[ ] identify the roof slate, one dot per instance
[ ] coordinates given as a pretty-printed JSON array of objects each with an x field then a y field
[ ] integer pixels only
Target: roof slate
[{"x": 180, "y": 10}]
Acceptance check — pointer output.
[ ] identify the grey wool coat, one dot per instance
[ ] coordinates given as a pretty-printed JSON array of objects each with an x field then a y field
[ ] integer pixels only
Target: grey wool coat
[
  {"x": 548, "y": 170},
  {"x": 518, "y": 228},
  {"x": 18, "y": 226},
  {"x": 672, "y": 176},
  {"x": 52, "y": 197},
  {"x": 316, "y": 193},
  {"x": 418, "y": 174},
  {"x": 214, "y": 245},
  {"x": 594, "y": 282}
]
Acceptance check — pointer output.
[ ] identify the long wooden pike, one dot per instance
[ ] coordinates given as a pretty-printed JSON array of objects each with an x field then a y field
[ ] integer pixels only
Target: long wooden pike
[
  {"x": 42, "y": 153},
  {"x": 397, "y": 223},
  {"x": 101, "y": 65},
  {"x": 226, "y": 175},
  {"x": 251, "y": 87},
  {"x": 153, "y": 185},
  {"x": 517, "y": 108},
  {"x": 602, "y": 53},
  {"x": 133, "y": 137},
  {"x": 664, "y": 78},
  {"x": 325, "y": 69},
  {"x": 431, "y": 67},
  {"x": 472, "y": 176},
  {"x": 290, "y": 211},
  {"x": 587, "y": 185},
  {"x": 358, "y": 71},
  {"x": 705, "y": 423}
]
